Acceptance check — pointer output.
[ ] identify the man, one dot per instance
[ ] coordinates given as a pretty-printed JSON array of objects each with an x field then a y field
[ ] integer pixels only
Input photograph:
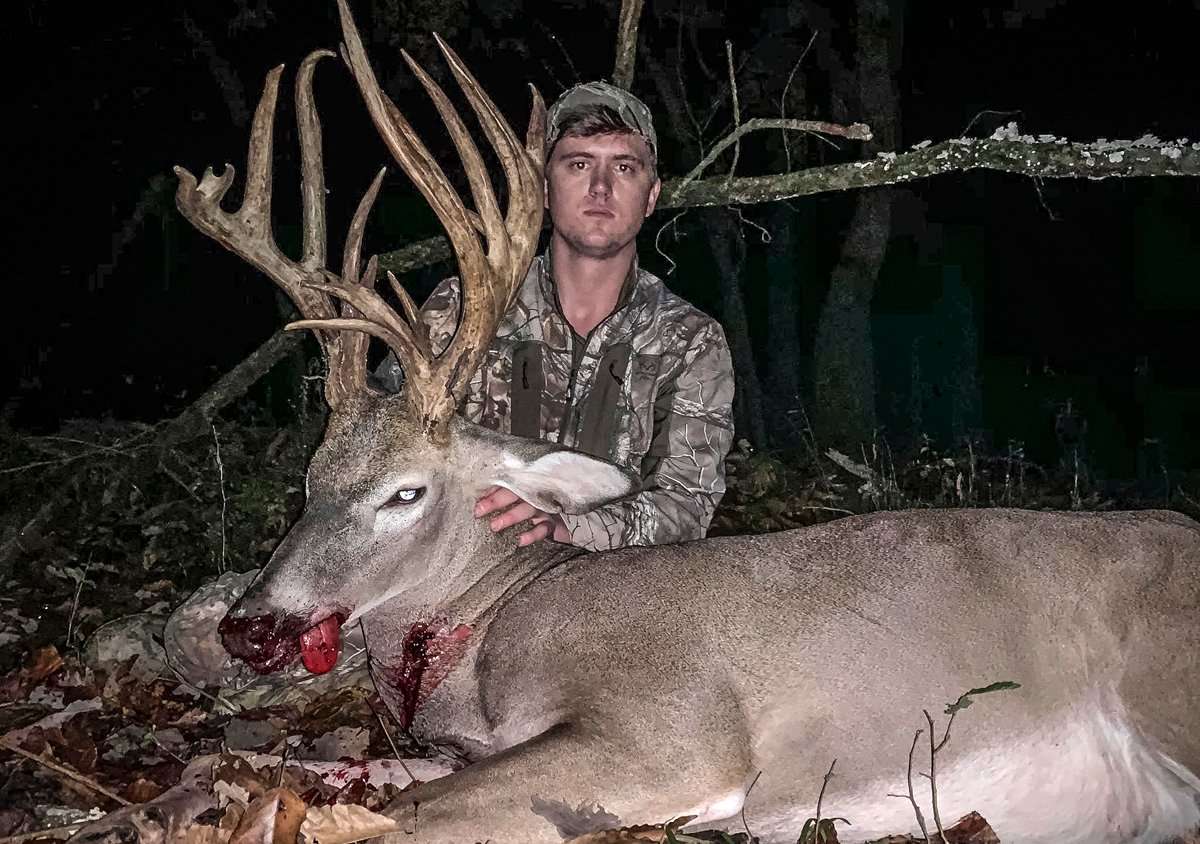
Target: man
[{"x": 596, "y": 353}]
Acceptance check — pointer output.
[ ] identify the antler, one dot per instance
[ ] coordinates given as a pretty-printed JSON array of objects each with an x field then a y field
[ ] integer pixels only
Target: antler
[
  {"x": 436, "y": 384},
  {"x": 247, "y": 232}
]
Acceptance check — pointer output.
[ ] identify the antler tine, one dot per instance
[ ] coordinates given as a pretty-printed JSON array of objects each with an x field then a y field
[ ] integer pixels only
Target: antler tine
[
  {"x": 489, "y": 280},
  {"x": 380, "y": 320},
  {"x": 402, "y": 141},
  {"x": 312, "y": 174},
  {"x": 511, "y": 246},
  {"x": 349, "y": 363},
  {"x": 477, "y": 176},
  {"x": 247, "y": 232}
]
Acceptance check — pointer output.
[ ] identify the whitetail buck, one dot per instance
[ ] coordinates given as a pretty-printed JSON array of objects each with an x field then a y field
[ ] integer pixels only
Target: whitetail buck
[{"x": 658, "y": 682}]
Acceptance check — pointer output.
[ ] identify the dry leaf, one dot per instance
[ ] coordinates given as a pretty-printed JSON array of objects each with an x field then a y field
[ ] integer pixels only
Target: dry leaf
[
  {"x": 344, "y": 822},
  {"x": 274, "y": 818},
  {"x": 203, "y": 834}
]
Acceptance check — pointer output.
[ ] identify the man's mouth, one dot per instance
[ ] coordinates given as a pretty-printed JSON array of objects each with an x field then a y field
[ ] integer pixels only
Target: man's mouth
[{"x": 598, "y": 212}]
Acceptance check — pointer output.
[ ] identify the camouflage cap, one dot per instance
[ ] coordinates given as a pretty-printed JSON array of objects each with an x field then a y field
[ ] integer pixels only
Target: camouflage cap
[{"x": 630, "y": 109}]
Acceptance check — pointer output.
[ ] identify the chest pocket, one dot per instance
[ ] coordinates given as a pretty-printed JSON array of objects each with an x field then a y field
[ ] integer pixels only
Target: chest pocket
[
  {"x": 606, "y": 405},
  {"x": 525, "y": 391}
]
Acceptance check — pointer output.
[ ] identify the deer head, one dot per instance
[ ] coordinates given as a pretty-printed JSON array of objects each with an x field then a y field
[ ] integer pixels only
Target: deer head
[{"x": 391, "y": 488}]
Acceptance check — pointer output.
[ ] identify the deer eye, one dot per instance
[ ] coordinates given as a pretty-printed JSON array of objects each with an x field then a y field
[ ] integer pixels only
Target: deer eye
[{"x": 405, "y": 497}]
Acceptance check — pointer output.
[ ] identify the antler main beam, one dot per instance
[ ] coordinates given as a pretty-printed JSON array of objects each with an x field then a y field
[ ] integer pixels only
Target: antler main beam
[{"x": 490, "y": 278}]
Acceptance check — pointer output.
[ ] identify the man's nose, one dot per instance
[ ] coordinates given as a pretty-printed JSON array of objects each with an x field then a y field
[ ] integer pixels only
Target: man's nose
[{"x": 601, "y": 183}]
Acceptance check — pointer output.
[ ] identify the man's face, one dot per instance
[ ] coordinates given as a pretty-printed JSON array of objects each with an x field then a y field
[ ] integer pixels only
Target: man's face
[{"x": 599, "y": 189}]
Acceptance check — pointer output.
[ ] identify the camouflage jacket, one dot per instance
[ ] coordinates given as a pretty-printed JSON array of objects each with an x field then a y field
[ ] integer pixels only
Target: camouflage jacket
[{"x": 651, "y": 390}]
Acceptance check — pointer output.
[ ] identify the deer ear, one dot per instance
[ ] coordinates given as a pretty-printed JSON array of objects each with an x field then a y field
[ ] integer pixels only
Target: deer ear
[{"x": 564, "y": 481}]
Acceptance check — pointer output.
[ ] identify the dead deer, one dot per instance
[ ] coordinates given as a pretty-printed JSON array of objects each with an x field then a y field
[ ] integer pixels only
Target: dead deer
[{"x": 659, "y": 682}]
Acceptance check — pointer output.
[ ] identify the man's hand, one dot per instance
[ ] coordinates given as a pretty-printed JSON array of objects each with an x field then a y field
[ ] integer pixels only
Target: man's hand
[{"x": 545, "y": 525}]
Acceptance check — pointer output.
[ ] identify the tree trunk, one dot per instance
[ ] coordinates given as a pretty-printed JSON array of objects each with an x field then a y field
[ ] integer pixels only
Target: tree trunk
[
  {"x": 844, "y": 355},
  {"x": 729, "y": 252},
  {"x": 782, "y": 389}
]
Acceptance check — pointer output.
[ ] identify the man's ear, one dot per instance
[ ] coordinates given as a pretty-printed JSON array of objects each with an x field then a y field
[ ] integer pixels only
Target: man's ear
[
  {"x": 564, "y": 481},
  {"x": 652, "y": 199}
]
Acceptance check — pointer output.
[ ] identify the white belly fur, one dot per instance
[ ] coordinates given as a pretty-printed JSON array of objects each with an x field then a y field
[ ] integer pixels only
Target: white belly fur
[{"x": 1090, "y": 778}]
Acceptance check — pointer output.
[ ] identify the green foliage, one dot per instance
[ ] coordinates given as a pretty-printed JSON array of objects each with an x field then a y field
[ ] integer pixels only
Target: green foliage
[
  {"x": 966, "y": 698},
  {"x": 818, "y": 832}
]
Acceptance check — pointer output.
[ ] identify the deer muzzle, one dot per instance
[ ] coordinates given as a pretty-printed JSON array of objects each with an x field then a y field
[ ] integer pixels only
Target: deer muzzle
[{"x": 271, "y": 642}]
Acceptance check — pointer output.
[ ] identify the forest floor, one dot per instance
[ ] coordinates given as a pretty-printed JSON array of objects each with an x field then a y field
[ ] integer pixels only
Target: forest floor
[{"x": 101, "y": 522}]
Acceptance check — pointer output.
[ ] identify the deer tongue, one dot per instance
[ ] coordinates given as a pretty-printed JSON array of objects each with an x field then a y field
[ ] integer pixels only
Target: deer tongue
[{"x": 320, "y": 644}]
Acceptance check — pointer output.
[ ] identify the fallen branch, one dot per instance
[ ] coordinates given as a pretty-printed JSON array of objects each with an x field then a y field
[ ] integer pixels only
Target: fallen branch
[
  {"x": 1044, "y": 157},
  {"x": 64, "y": 771},
  {"x": 197, "y": 419}
]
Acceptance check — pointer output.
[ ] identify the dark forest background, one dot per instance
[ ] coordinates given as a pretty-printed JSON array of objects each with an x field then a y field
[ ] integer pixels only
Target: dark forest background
[
  {"x": 969, "y": 340},
  {"x": 1056, "y": 320}
]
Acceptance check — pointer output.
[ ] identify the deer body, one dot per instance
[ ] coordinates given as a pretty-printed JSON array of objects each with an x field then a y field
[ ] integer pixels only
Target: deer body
[
  {"x": 659, "y": 682},
  {"x": 706, "y": 663}
]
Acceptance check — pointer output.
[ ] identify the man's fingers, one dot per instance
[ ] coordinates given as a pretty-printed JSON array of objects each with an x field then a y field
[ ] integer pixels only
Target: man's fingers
[
  {"x": 496, "y": 498},
  {"x": 537, "y": 533},
  {"x": 517, "y": 513}
]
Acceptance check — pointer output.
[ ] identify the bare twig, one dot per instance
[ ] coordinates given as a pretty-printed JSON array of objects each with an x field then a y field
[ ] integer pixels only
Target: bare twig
[
  {"x": 170, "y": 473},
  {"x": 75, "y": 602},
  {"x": 54, "y": 832},
  {"x": 64, "y": 771},
  {"x": 933, "y": 760},
  {"x": 557, "y": 42},
  {"x": 58, "y": 461},
  {"x": 911, "y": 796},
  {"x": 395, "y": 750},
  {"x": 933, "y": 751},
  {"x": 221, "y": 475},
  {"x": 737, "y": 109},
  {"x": 227, "y": 80},
  {"x": 855, "y": 131},
  {"x": 967, "y": 128},
  {"x": 787, "y": 152},
  {"x": 627, "y": 29},
  {"x": 749, "y": 789},
  {"x": 687, "y": 107},
  {"x": 658, "y": 236}
]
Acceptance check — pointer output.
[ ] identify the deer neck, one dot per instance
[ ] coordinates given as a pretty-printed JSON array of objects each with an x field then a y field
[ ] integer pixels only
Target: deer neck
[{"x": 472, "y": 596}]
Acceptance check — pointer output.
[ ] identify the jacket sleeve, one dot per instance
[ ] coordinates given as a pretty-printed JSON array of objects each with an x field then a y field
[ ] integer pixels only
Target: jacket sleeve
[{"x": 683, "y": 473}]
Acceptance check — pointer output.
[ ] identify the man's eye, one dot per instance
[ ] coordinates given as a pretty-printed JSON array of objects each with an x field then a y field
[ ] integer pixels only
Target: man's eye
[
  {"x": 406, "y": 496},
  {"x": 578, "y": 165}
]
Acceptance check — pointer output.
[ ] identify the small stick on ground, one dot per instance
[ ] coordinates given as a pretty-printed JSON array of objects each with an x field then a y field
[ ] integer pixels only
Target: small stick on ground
[
  {"x": 64, "y": 771},
  {"x": 53, "y": 832}
]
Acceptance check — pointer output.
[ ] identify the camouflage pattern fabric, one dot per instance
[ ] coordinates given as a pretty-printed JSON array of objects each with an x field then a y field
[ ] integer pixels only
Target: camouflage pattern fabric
[{"x": 653, "y": 393}]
